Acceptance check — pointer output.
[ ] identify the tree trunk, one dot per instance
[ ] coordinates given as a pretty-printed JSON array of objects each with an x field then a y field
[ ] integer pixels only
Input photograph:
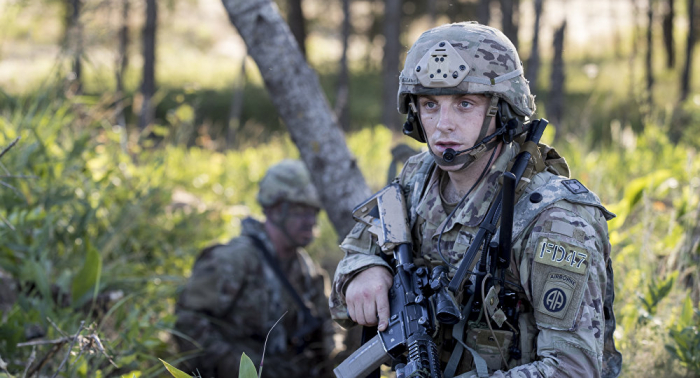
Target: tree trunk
[
  {"x": 234, "y": 115},
  {"x": 75, "y": 42},
  {"x": 690, "y": 45},
  {"x": 615, "y": 17},
  {"x": 510, "y": 12},
  {"x": 122, "y": 62},
  {"x": 148, "y": 85},
  {"x": 533, "y": 62},
  {"x": 297, "y": 94},
  {"x": 632, "y": 93},
  {"x": 555, "y": 110},
  {"x": 669, "y": 15},
  {"x": 390, "y": 63},
  {"x": 650, "y": 50},
  {"x": 635, "y": 29},
  {"x": 484, "y": 12},
  {"x": 297, "y": 23},
  {"x": 342, "y": 96}
]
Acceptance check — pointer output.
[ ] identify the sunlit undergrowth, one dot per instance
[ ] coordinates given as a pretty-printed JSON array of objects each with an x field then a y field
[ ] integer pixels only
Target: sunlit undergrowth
[{"x": 104, "y": 228}]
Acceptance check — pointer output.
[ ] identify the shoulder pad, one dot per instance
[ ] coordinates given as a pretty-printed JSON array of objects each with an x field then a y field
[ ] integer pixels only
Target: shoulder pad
[
  {"x": 414, "y": 176},
  {"x": 536, "y": 199}
]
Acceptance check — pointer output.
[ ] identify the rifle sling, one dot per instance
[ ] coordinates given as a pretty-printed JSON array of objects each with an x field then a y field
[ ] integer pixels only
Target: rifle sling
[{"x": 272, "y": 263}]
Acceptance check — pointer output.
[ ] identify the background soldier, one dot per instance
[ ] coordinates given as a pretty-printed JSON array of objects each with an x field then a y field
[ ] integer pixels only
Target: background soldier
[
  {"x": 460, "y": 86},
  {"x": 236, "y": 292}
]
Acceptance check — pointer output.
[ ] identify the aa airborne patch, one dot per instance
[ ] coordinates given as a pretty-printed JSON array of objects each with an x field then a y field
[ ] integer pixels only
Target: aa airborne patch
[
  {"x": 558, "y": 293},
  {"x": 559, "y": 276}
]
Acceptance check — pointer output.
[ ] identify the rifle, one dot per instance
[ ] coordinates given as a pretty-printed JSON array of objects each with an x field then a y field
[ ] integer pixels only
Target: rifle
[{"x": 412, "y": 298}]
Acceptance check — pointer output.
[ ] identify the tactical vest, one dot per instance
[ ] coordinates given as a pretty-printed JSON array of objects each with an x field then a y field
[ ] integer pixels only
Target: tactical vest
[{"x": 545, "y": 173}]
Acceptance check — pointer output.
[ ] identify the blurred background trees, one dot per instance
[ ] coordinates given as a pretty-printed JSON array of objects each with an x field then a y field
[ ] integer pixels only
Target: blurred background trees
[{"x": 145, "y": 132}]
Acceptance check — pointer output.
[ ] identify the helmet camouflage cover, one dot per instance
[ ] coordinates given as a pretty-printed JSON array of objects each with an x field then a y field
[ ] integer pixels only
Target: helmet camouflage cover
[
  {"x": 288, "y": 180},
  {"x": 465, "y": 57}
]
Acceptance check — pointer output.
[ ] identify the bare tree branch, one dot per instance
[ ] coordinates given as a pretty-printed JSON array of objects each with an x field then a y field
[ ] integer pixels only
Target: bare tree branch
[
  {"x": 3, "y": 366},
  {"x": 57, "y": 327},
  {"x": 62, "y": 340},
  {"x": 32, "y": 357},
  {"x": 7, "y": 222},
  {"x": 19, "y": 176},
  {"x": 54, "y": 349},
  {"x": 10, "y": 146},
  {"x": 80, "y": 329}
]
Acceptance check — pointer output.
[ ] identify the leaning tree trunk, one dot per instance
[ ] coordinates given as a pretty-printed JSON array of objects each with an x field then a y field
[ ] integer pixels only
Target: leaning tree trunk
[
  {"x": 390, "y": 63},
  {"x": 669, "y": 15},
  {"x": 148, "y": 84},
  {"x": 533, "y": 62},
  {"x": 690, "y": 45},
  {"x": 297, "y": 94},
  {"x": 555, "y": 108}
]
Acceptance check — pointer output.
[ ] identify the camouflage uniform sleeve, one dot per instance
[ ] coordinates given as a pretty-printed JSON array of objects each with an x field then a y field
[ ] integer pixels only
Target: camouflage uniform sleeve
[
  {"x": 562, "y": 262},
  {"x": 217, "y": 279},
  {"x": 360, "y": 253}
]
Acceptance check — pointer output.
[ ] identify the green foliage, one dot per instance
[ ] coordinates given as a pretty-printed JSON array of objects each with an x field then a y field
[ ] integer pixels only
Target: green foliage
[
  {"x": 656, "y": 291},
  {"x": 177, "y": 373},
  {"x": 247, "y": 368},
  {"x": 91, "y": 233},
  {"x": 685, "y": 335},
  {"x": 87, "y": 280}
]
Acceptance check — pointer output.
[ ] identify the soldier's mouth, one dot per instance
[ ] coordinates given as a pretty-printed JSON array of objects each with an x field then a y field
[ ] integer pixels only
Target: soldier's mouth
[{"x": 443, "y": 146}]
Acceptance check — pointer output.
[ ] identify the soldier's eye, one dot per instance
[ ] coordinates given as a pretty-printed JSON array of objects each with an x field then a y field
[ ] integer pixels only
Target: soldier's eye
[
  {"x": 429, "y": 105},
  {"x": 465, "y": 104}
]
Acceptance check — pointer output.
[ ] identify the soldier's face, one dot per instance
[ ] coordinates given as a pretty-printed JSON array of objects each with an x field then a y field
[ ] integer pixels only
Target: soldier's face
[
  {"x": 453, "y": 121},
  {"x": 299, "y": 222}
]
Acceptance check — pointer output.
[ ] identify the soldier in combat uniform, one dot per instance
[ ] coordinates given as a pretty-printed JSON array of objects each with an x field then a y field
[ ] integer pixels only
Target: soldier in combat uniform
[
  {"x": 235, "y": 295},
  {"x": 460, "y": 86}
]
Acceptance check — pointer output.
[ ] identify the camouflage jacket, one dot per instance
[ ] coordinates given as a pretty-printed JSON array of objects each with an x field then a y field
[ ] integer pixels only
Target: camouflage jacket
[
  {"x": 562, "y": 320},
  {"x": 233, "y": 298}
]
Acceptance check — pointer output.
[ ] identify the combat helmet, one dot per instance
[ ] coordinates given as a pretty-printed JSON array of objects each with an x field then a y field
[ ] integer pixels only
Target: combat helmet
[
  {"x": 467, "y": 58},
  {"x": 289, "y": 181}
]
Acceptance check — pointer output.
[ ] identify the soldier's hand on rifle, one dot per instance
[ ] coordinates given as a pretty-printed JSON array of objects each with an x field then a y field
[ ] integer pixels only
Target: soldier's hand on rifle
[{"x": 367, "y": 297}]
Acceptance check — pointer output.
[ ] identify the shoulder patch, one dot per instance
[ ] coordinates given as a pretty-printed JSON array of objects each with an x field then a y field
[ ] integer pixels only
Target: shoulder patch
[
  {"x": 559, "y": 277},
  {"x": 561, "y": 255},
  {"x": 558, "y": 293},
  {"x": 575, "y": 186}
]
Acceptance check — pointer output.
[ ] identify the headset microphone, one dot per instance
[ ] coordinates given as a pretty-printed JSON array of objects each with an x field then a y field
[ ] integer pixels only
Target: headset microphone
[{"x": 449, "y": 155}]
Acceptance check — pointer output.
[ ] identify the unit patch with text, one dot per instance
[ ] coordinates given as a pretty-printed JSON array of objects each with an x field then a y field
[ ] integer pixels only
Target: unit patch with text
[
  {"x": 561, "y": 255},
  {"x": 559, "y": 277}
]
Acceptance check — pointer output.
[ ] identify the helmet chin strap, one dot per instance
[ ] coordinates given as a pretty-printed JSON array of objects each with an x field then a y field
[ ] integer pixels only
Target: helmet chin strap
[{"x": 467, "y": 156}]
